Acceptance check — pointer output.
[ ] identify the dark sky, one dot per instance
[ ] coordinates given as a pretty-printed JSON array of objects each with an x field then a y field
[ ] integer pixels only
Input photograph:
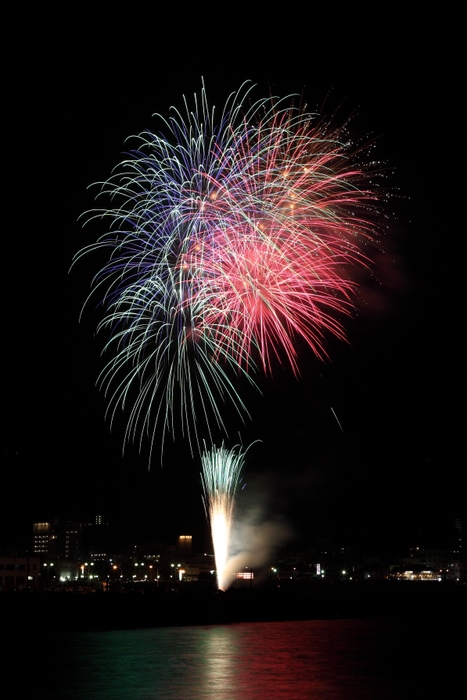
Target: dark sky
[{"x": 78, "y": 83}]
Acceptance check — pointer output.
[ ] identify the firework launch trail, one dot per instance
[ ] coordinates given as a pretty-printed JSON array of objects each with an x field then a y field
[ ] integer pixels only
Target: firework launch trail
[{"x": 221, "y": 469}]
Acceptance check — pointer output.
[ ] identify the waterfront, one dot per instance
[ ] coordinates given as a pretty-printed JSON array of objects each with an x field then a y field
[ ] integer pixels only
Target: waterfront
[{"x": 333, "y": 659}]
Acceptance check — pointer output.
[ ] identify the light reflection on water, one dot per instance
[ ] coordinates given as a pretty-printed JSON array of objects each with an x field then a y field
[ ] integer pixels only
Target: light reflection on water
[{"x": 341, "y": 659}]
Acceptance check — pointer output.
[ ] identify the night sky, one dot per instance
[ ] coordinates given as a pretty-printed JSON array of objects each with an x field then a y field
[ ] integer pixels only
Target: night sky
[{"x": 77, "y": 84}]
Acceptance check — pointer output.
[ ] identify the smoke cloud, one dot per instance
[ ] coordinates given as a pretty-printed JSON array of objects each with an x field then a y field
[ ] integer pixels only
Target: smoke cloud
[{"x": 254, "y": 539}]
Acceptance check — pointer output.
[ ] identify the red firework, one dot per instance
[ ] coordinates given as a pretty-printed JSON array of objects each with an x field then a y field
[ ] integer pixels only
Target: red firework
[{"x": 280, "y": 233}]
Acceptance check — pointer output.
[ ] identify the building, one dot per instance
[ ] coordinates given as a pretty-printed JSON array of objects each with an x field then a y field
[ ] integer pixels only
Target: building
[
  {"x": 68, "y": 539},
  {"x": 42, "y": 536},
  {"x": 61, "y": 539},
  {"x": 185, "y": 548},
  {"x": 19, "y": 571}
]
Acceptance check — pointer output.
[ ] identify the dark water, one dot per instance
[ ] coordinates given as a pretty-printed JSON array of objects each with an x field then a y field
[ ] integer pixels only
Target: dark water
[{"x": 361, "y": 659}]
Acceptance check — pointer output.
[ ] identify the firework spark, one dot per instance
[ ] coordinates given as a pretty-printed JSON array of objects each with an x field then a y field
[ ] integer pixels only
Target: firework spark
[
  {"x": 161, "y": 366},
  {"x": 285, "y": 228},
  {"x": 220, "y": 477},
  {"x": 230, "y": 238}
]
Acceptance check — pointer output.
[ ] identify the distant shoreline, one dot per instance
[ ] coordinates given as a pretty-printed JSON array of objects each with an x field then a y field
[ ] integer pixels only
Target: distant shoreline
[{"x": 37, "y": 613}]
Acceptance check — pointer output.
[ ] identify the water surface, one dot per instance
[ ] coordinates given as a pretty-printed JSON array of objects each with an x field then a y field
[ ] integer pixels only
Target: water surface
[{"x": 340, "y": 659}]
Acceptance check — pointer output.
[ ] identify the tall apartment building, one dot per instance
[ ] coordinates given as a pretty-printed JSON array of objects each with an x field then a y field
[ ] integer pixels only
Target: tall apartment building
[
  {"x": 185, "y": 547},
  {"x": 61, "y": 539},
  {"x": 42, "y": 534}
]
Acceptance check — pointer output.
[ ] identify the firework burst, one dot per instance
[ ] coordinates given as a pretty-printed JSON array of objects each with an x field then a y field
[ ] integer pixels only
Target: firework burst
[{"x": 230, "y": 237}]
